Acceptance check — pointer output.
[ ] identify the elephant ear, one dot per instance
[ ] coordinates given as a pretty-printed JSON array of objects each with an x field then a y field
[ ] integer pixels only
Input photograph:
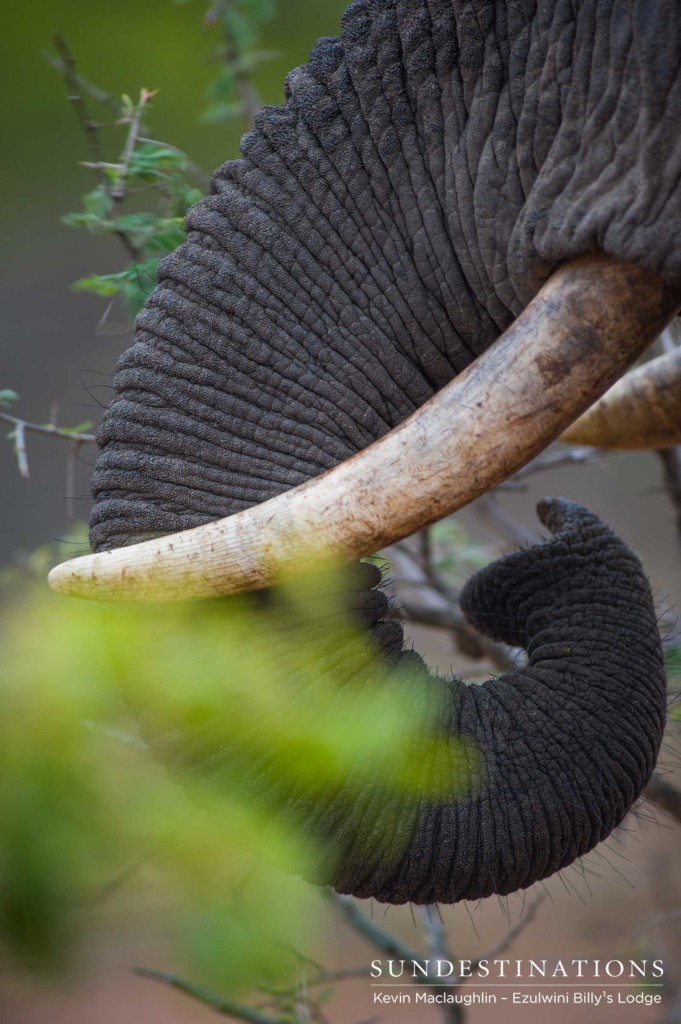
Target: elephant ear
[{"x": 427, "y": 172}]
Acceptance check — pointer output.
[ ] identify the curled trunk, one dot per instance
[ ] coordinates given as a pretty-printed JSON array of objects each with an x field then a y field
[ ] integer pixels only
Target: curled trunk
[{"x": 533, "y": 769}]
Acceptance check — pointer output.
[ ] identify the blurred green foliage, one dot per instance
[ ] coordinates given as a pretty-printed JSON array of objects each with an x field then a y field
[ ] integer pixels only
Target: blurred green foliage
[
  {"x": 253, "y": 710},
  {"x": 87, "y": 810},
  {"x": 239, "y": 23},
  {"x": 454, "y": 553}
]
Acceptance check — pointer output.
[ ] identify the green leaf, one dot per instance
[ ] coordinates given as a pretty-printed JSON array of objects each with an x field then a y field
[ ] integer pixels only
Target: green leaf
[
  {"x": 94, "y": 216},
  {"x": 7, "y": 396},
  {"x": 148, "y": 232},
  {"x": 104, "y": 285},
  {"x": 153, "y": 163},
  {"x": 217, "y": 112},
  {"x": 97, "y": 203},
  {"x": 672, "y": 661},
  {"x": 133, "y": 285},
  {"x": 74, "y": 431},
  {"x": 186, "y": 196}
]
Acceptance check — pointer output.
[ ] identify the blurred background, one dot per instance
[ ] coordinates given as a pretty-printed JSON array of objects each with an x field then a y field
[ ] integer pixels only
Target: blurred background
[{"x": 58, "y": 355}]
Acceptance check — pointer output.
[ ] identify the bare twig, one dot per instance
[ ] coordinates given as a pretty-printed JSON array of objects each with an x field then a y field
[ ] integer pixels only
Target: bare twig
[
  {"x": 511, "y": 935},
  {"x": 440, "y": 607},
  {"x": 20, "y": 449},
  {"x": 371, "y": 931},
  {"x": 71, "y": 479},
  {"x": 73, "y": 84},
  {"x": 671, "y": 464},
  {"x": 387, "y": 942},
  {"x": 83, "y": 84},
  {"x": 427, "y": 561},
  {"x": 219, "y": 1004},
  {"x": 19, "y": 435},
  {"x": 469, "y": 641},
  {"x": 554, "y": 460},
  {"x": 101, "y": 165},
  {"x": 435, "y": 931},
  {"x": 49, "y": 429},
  {"x": 503, "y": 522}
]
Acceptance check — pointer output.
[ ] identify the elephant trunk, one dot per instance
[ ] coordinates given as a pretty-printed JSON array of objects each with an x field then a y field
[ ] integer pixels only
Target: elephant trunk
[
  {"x": 561, "y": 747},
  {"x": 532, "y": 769}
]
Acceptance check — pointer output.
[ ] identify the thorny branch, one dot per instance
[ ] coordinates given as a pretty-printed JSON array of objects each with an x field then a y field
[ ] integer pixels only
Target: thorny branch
[
  {"x": 80, "y": 83},
  {"x": 116, "y": 189},
  {"x": 67, "y": 66},
  {"x": 217, "y": 14},
  {"x": 134, "y": 119}
]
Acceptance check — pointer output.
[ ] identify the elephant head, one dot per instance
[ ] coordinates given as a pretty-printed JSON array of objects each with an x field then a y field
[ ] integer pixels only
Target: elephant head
[{"x": 445, "y": 171}]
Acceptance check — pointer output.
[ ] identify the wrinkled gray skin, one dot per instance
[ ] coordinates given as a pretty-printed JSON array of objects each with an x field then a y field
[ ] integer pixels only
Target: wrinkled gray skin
[{"x": 427, "y": 173}]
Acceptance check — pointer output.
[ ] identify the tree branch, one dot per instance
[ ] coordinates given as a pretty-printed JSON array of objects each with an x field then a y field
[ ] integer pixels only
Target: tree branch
[
  {"x": 117, "y": 191},
  {"x": 218, "y": 13},
  {"x": 468, "y": 639},
  {"x": 67, "y": 66},
  {"x": 219, "y": 1004},
  {"x": 435, "y": 940},
  {"x": 366, "y": 927},
  {"x": 49, "y": 429},
  {"x": 665, "y": 796},
  {"x": 81, "y": 83},
  {"x": 385, "y": 941},
  {"x": 504, "y": 523},
  {"x": 554, "y": 460},
  {"x": 671, "y": 465},
  {"x": 511, "y": 935}
]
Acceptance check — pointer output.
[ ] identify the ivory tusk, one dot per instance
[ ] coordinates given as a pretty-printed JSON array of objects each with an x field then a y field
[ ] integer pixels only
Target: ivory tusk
[
  {"x": 586, "y": 326},
  {"x": 642, "y": 410}
]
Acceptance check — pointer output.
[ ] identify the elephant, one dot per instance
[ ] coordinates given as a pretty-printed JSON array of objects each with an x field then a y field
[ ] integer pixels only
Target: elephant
[{"x": 458, "y": 230}]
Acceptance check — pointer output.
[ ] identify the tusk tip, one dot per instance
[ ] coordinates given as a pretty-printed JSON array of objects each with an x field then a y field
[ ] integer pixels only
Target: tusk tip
[{"x": 66, "y": 578}]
